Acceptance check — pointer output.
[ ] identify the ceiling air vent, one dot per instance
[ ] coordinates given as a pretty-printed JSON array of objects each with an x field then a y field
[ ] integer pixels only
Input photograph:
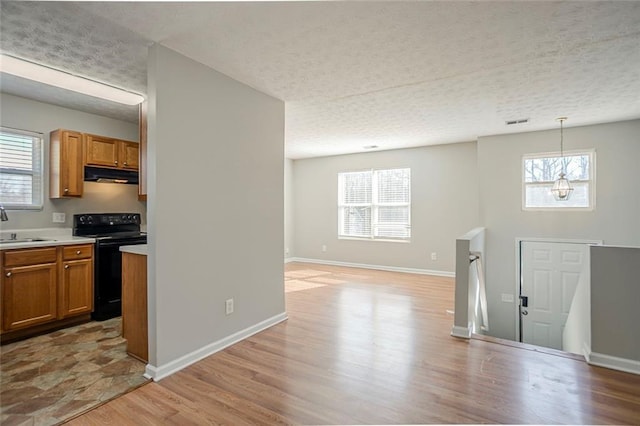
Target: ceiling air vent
[{"x": 520, "y": 121}]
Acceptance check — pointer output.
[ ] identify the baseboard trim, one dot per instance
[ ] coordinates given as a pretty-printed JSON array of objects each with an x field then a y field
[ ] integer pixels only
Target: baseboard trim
[
  {"x": 289, "y": 259},
  {"x": 462, "y": 332},
  {"x": 614, "y": 363},
  {"x": 586, "y": 351},
  {"x": 377, "y": 267},
  {"x": 160, "y": 372}
]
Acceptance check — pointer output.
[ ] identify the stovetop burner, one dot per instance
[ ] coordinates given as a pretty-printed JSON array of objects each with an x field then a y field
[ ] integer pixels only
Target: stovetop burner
[{"x": 100, "y": 225}]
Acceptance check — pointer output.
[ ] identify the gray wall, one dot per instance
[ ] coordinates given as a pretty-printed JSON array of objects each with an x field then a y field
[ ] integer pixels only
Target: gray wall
[
  {"x": 444, "y": 205},
  {"x": 614, "y": 220},
  {"x": 289, "y": 247},
  {"x": 21, "y": 113},
  {"x": 216, "y": 205},
  {"x": 615, "y": 297}
]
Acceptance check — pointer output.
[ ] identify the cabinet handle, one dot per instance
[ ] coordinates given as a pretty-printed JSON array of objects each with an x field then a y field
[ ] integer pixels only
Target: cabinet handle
[
  {"x": 125, "y": 163},
  {"x": 78, "y": 252},
  {"x": 116, "y": 162},
  {"x": 66, "y": 190},
  {"x": 8, "y": 274},
  {"x": 66, "y": 266}
]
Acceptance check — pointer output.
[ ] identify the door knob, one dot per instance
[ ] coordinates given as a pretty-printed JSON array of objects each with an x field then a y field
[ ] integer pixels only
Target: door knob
[{"x": 525, "y": 312}]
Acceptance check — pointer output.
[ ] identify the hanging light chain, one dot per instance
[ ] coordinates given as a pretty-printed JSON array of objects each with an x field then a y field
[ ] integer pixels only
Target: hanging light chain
[{"x": 562, "y": 161}]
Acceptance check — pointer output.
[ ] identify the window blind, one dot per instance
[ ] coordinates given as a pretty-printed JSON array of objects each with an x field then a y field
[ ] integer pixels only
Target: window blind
[
  {"x": 375, "y": 204},
  {"x": 20, "y": 169}
]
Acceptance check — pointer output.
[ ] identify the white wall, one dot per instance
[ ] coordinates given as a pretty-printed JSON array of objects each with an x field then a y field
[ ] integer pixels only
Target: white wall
[
  {"x": 26, "y": 114},
  {"x": 289, "y": 246},
  {"x": 216, "y": 206},
  {"x": 444, "y": 205},
  {"x": 615, "y": 219}
]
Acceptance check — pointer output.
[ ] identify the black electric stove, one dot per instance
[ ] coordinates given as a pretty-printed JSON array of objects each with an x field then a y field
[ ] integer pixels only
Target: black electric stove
[{"x": 111, "y": 231}]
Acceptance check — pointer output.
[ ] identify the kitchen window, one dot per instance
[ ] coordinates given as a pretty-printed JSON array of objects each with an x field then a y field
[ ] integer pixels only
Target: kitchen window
[
  {"x": 375, "y": 204},
  {"x": 539, "y": 171},
  {"x": 20, "y": 169}
]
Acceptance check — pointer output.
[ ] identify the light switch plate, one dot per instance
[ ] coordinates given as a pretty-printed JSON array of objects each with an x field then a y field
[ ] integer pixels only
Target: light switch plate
[
  {"x": 59, "y": 217},
  {"x": 507, "y": 298}
]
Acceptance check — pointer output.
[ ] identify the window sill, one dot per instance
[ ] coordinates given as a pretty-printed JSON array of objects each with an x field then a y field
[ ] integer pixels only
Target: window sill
[{"x": 381, "y": 240}]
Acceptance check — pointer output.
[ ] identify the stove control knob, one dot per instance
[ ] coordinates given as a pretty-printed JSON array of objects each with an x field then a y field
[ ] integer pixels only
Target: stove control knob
[
  {"x": 81, "y": 219},
  {"x": 90, "y": 219}
]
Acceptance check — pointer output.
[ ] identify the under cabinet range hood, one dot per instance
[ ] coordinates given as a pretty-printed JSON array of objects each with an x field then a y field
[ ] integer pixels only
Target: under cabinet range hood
[{"x": 101, "y": 174}]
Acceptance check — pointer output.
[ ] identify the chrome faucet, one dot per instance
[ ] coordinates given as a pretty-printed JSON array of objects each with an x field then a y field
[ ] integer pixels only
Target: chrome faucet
[{"x": 3, "y": 214}]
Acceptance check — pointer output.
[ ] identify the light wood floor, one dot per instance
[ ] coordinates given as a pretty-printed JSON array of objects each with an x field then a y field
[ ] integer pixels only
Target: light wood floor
[{"x": 372, "y": 347}]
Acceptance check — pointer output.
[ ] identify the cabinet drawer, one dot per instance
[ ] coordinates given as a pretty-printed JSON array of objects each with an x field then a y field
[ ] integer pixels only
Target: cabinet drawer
[
  {"x": 77, "y": 252},
  {"x": 29, "y": 256}
]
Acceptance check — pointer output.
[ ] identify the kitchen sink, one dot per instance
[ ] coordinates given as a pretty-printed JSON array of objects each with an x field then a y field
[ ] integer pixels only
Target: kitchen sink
[{"x": 22, "y": 240}]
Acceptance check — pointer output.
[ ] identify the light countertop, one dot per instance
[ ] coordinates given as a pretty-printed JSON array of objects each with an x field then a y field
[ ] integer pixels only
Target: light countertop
[
  {"x": 50, "y": 237},
  {"x": 135, "y": 249}
]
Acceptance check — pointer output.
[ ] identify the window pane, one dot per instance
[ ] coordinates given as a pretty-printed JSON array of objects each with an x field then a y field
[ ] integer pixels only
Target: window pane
[
  {"x": 393, "y": 186},
  {"x": 547, "y": 169},
  {"x": 375, "y": 204},
  {"x": 356, "y": 187},
  {"x": 16, "y": 189},
  {"x": 389, "y": 214},
  {"x": 356, "y": 221},
  {"x": 540, "y": 196},
  {"x": 20, "y": 168},
  {"x": 390, "y": 231}
]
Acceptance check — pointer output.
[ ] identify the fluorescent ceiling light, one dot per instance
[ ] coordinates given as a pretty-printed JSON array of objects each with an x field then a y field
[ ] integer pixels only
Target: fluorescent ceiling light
[{"x": 64, "y": 80}]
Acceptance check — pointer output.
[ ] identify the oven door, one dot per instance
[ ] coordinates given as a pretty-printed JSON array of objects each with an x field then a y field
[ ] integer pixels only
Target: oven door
[{"x": 108, "y": 277}]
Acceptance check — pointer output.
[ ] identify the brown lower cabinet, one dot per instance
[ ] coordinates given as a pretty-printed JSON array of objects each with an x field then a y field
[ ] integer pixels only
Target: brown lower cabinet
[
  {"x": 44, "y": 288},
  {"x": 134, "y": 305}
]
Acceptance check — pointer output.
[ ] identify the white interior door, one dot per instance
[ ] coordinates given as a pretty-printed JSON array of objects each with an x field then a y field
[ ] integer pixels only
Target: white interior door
[{"x": 550, "y": 274}]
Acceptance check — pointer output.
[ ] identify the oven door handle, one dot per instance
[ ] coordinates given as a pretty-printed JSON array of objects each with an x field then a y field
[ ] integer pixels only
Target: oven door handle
[{"x": 101, "y": 244}]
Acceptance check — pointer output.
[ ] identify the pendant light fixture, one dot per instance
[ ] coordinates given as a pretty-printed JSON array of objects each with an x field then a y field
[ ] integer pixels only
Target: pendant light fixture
[{"x": 562, "y": 187}]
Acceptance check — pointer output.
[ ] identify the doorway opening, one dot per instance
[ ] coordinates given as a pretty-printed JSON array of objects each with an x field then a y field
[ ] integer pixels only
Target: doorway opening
[{"x": 549, "y": 271}]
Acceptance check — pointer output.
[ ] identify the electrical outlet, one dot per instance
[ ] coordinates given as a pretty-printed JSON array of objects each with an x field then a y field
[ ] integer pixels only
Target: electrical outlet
[
  {"x": 434, "y": 256},
  {"x": 324, "y": 248},
  {"x": 286, "y": 251},
  {"x": 228, "y": 305},
  {"x": 508, "y": 298},
  {"x": 59, "y": 217}
]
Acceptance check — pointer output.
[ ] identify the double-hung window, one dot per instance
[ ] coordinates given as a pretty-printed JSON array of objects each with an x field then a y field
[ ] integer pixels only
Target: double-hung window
[
  {"x": 541, "y": 170},
  {"x": 20, "y": 169},
  {"x": 375, "y": 204}
]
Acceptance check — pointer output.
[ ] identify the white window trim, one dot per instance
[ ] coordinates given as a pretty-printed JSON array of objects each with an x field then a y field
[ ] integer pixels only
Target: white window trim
[
  {"x": 39, "y": 201},
  {"x": 591, "y": 181},
  {"x": 374, "y": 188}
]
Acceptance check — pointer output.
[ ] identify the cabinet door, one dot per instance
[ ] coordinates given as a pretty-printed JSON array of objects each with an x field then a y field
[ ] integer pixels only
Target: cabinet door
[
  {"x": 101, "y": 151},
  {"x": 66, "y": 164},
  {"x": 76, "y": 287},
  {"x": 129, "y": 153},
  {"x": 28, "y": 295},
  {"x": 142, "y": 162}
]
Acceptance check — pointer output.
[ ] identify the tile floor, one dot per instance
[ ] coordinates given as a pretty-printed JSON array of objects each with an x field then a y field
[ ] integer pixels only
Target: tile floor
[{"x": 50, "y": 378}]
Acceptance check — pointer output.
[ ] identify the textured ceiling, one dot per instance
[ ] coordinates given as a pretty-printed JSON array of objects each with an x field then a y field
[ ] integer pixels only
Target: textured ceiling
[{"x": 392, "y": 74}]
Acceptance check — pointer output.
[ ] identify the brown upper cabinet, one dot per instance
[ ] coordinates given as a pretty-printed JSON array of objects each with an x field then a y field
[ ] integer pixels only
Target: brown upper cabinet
[
  {"x": 107, "y": 152},
  {"x": 66, "y": 168},
  {"x": 142, "y": 181}
]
